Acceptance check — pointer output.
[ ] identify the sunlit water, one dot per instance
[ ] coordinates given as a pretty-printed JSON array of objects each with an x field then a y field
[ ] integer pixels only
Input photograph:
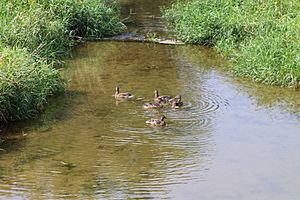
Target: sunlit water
[{"x": 232, "y": 139}]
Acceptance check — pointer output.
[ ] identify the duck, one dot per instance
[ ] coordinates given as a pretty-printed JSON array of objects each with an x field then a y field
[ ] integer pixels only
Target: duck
[
  {"x": 176, "y": 102},
  {"x": 155, "y": 105},
  {"x": 176, "y": 98},
  {"x": 122, "y": 96},
  {"x": 157, "y": 122},
  {"x": 158, "y": 98}
]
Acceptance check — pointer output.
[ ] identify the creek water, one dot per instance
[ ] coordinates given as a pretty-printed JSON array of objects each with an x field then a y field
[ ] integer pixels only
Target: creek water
[{"x": 232, "y": 139}]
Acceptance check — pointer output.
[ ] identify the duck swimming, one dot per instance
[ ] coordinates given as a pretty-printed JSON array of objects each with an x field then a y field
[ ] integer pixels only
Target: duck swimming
[
  {"x": 122, "y": 96},
  {"x": 155, "y": 105},
  {"x": 176, "y": 102},
  {"x": 157, "y": 122},
  {"x": 158, "y": 98},
  {"x": 177, "y": 98}
]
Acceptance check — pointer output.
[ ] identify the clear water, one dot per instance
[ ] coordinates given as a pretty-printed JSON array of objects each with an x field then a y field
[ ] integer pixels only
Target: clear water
[{"x": 232, "y": 139}]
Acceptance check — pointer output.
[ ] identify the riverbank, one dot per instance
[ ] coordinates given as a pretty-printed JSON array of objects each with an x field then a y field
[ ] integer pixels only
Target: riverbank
[
  {"x": 260, "y": 38},
  {"x": 35, "y": 36}
]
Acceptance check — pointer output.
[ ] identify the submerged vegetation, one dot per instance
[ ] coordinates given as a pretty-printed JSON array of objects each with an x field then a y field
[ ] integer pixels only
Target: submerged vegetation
[
  {"x": 260, "y": 37},
  {"x": 34, "y": 37}
]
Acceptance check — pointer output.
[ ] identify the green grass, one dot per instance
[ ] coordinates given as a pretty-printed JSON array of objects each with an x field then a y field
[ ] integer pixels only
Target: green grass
[
  {"x": 25, "y": 84},
  {"x": 261, "y": 38},
  {"x": 35, "y": 36},
  {"x": 47, "y": 27}
]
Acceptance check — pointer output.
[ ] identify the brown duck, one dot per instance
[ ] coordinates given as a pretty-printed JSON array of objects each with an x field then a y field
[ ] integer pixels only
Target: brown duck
[
  {"x": 157, "y": 122},
  {"x": 155, "y": 105},
  {"x": 176, "y": 102},
  {"x": 158, "y": 98},
  {"x": 122, "y": 96}
]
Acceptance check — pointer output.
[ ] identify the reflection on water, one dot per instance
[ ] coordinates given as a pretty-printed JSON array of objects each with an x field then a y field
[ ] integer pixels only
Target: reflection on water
[
  {"x": 144, "y": 18},
  {"x": 103, "y": 148},
  {"x": 222, "y": 144},
  {"x": 276, "y": 99}
]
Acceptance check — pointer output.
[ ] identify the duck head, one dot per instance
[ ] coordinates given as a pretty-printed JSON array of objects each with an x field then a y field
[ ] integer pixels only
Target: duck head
[
  {"x": 178, "y": 97},
  {"x": 163, "y": 117},
  {"x": 156, "y": 94},
  {"x": 117, "y": 90}
]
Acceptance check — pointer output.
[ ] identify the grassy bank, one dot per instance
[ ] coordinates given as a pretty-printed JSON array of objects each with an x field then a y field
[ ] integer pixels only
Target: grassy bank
[
  {"x": 35, "y": 35},
  {"x": 260, "y": 37}
]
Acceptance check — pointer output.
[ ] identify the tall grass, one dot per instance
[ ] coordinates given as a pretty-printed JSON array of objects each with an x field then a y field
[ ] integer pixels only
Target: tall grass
[
  {"x": 25, "y": 84},
  {"x": 47, "y": 27},
  {"x": 35, "y": 35},
  {"x": 260, "y": 37}
]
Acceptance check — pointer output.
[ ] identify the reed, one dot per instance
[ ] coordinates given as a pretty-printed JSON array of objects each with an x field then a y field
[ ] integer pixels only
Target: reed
[{"x": 259, "y": 37}]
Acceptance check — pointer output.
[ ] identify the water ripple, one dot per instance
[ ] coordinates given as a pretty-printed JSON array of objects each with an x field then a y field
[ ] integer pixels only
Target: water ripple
[{"x": 195, "y": 114}]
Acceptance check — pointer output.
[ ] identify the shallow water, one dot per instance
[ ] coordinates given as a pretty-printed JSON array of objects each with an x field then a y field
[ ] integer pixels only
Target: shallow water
[{"x": 232, "y": 139}]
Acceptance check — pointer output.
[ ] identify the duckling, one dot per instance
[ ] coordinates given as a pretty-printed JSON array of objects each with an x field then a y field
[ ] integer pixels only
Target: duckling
[
  {"x": 177, "y": 104},
  {"x": 155, "y": 105},
  {"x": 122, "y": 96},
  {"x": 177, "y": 98},
  {"x": 157, "y": 122},
  {"x": 158, "y": 98}
]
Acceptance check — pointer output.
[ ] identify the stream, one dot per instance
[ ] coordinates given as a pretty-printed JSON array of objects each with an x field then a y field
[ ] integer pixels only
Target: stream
[{"x": 232, "y": 139}]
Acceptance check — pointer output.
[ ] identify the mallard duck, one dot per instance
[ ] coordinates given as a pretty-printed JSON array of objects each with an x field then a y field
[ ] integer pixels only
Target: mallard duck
[
  {"x": 122, "y": 96},
  {"x": 155, "y": 105},
  {"x": 177, "y": 98},
  {"x": 158, "y": 98},
  {"x": 177, "y": 104},
  {"x": 157, "y": 122}
]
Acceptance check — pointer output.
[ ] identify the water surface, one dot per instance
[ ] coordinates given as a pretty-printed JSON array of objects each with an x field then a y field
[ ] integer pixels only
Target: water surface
[{"x": 232, "y": 139}]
